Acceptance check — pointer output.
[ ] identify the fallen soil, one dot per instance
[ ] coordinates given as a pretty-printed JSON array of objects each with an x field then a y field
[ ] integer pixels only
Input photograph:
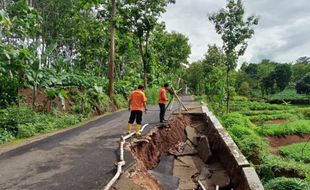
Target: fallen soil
[{"x": 276, "y": 142}]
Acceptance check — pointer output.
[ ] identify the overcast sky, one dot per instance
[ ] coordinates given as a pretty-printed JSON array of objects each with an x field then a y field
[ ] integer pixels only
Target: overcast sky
[{"x": 283, "y": 32}]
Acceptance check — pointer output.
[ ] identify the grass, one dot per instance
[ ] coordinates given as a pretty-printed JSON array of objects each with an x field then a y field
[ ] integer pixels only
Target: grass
[
  {"x": 23, "y": 122},
  {"x": 250, "y": 140},
  {"x": 298, "y": 152},
  {"x": 291, "y": 128}
]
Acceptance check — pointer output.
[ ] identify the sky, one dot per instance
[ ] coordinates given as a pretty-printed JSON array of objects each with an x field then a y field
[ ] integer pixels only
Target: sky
[{"x": 282, "y": 35}]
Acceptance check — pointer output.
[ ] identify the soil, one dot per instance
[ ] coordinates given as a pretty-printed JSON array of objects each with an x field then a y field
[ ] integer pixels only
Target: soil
[
  {"x": 42, "y": 101},
  {"x": 276, "y": 142},
  {"x": 147, "y": 151},
  {"x": 44, "y": 104}
]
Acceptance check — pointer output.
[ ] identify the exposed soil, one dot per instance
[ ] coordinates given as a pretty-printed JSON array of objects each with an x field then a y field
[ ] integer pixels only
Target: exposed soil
[
  {"x": 276, "y": 142},
  {"x": 147, "y": 151},
  {"x": 44, "y": 104},
  {"x": 42, "y": 101}
]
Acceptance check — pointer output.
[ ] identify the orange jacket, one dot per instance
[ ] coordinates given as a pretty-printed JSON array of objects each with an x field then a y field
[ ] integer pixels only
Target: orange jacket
[
  {"x": 137, "y": 99},
  {"x": 162, "y": 98}
]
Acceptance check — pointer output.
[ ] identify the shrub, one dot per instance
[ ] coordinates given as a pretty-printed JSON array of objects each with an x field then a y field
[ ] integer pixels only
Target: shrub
[
  {"x": 298, "y": 152},
  {"x": 152, "y": 95},
  {"x": 120, "y": 101},
  {"x": 306, "y": 113},
  {"x": 283, "y": 183},
  {"x": 291, "y": 128},
  {"x": 250, "y": 144},
  {"x": 26, "y": 130},
  {"x": 5, "y": 136},
  {"x": 234, "y": 118},
  {"x": 10, "y": 118},
  {"x": 8, "y": 91}
]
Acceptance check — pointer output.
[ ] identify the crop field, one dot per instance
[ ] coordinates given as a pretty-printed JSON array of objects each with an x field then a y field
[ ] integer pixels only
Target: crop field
[{"x": 275, "y": 139}]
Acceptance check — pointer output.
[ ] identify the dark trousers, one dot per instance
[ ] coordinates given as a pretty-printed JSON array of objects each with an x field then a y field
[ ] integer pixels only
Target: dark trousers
[
  {"x": 162, "y": 108},
  {"x": 135, "y": 115}
]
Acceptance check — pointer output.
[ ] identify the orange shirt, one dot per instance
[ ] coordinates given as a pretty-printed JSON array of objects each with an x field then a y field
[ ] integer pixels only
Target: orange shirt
[
  {"x": 137, "y": 98},
  {"x": 162, "y": 98}
]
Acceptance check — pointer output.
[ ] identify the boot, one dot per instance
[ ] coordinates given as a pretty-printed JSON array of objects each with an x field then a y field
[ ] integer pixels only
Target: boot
[
  {"x": 129, "y": 128},
  {"x": 138, "y": 129}
]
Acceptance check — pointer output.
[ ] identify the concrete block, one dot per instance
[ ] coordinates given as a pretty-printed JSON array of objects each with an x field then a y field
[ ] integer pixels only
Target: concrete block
[
  {"x": 252, "y": 179},
  {"x": 203, "y": 149},
  {"x": 192, "y": 135}
]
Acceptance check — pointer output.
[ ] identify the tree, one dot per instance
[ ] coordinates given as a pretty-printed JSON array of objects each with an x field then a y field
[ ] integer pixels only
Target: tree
[
  {"x": 213, "y": 58},
  {"x": 303, "y": 86},
  {"x": 282, "y": 75},
  {"x": 112, "y": 51},
  {"x": 234, "y": 30},
  {"x": 142, "y": 16}
]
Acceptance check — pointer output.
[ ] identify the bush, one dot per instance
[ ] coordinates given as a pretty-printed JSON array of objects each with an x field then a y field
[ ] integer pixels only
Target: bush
[
  {"x": 8, "y": 91},
  {"x": 234, "y": 118},
  {"x": 26, "y": 130},
  {"x": 5, "y": 136},
  {"x": 283, "y": 183},
  {"x": 120, "y": 101},
  {"x": 152, "y": 95},
  {"x": 250, "y": 144},
  {"x": 10, "y": 118},
  {"x": 298, "y": 152}
]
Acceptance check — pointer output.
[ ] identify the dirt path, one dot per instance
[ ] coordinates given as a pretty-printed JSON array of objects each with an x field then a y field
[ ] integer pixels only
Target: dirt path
[{"x": 80, "y": 158}]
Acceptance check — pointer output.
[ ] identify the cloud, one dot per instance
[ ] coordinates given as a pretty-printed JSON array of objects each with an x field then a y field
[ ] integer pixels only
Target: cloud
[{"x": 282, "y": 33}]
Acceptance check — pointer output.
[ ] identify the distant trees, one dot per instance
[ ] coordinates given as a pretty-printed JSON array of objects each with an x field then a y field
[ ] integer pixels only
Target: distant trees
[
  {"x": 234, "y": 30},
  {"x": 303, "y": 85}
]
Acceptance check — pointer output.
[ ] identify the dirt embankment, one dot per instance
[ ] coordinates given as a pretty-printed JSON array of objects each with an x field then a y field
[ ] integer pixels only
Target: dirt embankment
[
  {"x": 276, "y": 142},
  {"x": 147, "y": 151}
]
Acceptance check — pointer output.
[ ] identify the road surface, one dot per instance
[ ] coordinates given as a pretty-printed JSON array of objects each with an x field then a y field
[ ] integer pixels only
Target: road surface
[{"x": 80, "y": 158}]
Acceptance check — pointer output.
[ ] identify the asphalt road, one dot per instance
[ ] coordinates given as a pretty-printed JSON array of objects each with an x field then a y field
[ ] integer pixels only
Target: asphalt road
[{"x": 80, "y": 158}]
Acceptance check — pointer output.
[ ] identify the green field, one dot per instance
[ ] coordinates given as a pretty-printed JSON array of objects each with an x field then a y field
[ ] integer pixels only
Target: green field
[{"x": 250, "y": 123}]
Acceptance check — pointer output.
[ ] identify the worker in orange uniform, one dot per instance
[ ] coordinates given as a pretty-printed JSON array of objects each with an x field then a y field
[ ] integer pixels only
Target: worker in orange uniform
[
  {"x": 137, "y": 101},
  {"x": 162, "y": 101}
]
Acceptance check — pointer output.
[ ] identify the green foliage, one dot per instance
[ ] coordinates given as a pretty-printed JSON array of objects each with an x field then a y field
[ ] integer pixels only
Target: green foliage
[
  {"x": 298, "y": 152},
  {"x": 303, "y": 85},
  {"x": 235, "y": 118},
  {"x": 283, "y": 115},
  {"x": 5, "y": 136},
  {"x": 120, "y": 101},
  {"x": 249, "y": 142},
  {"x": 291, "y": 128},
  {"x": 283, "y": 183},
  {"x": 244, "y": 89},
  {"x": 8, "y": 91},
  {"x": 152, "y": 95},
  {"x": 23, "y": 122}
]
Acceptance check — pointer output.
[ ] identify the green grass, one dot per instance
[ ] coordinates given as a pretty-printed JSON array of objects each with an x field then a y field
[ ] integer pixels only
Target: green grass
[
  {"x": 283, "y": 183},
  {"x": 263, "y": 117},
  {"x": 152, "y": 95},
  {"x": 24, "y": 122},
  {"x": 298, "y": 152},
  {"x": 291, "y": 128}
]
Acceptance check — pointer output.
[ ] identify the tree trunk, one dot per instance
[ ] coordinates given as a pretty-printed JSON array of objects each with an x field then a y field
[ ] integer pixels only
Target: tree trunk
[
  {"x": 112, "y": 51},
  {"x": 144, "y": 61},
  {"x": 228, "y": 91}
]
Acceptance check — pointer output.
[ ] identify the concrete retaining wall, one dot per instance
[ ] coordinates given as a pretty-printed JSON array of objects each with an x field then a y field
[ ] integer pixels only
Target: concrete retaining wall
[{"x": 243, "y": 176}]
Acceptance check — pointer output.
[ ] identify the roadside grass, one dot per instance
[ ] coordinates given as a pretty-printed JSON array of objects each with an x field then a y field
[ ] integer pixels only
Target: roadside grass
[
  {"x": 298, "y": 152},
  {"x": 23, "y": 122},
  {"x": 292, "y": 128}
]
